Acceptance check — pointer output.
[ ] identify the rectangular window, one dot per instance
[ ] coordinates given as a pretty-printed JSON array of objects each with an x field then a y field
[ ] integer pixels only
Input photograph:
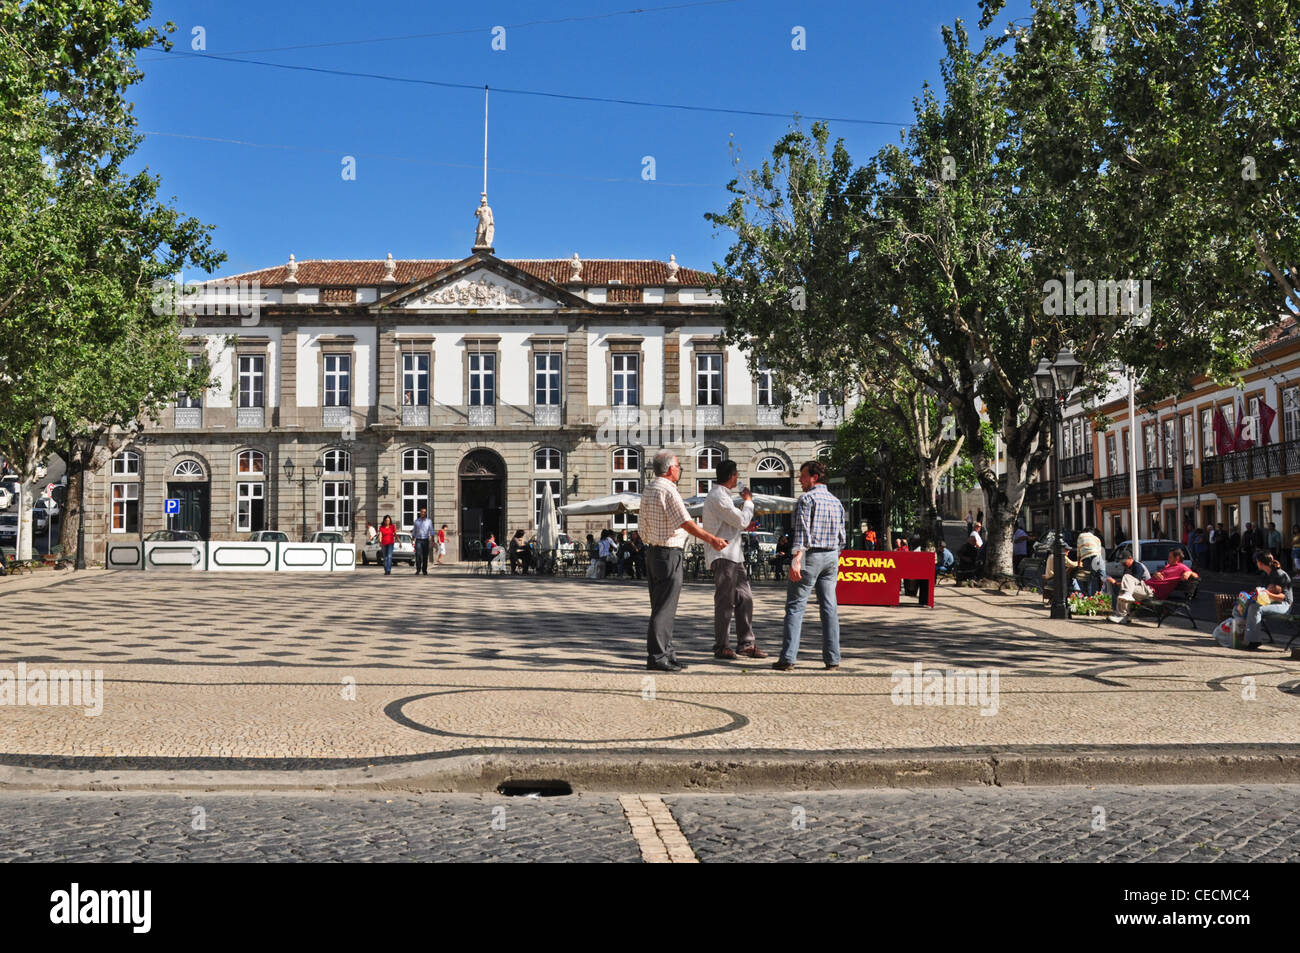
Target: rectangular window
[
  {"x": 1111, "y": 462},
  {"x": 250, "y": 509},
  {"x": 252, "y": 380},
  {"x": 415, "y": 380},
  {"x": 126, "y": 508},
  {"x": 1230, "y": 417},
  {"x": 626, "y": 520},
  {"x": 1123, "y": 439},
  {"x": 1207, "y": 433},
  {"x": 1150, "y": 446},
  {"x": 415, "y": 497},
  {"x": 482, "y": 379},
  {"x": 765, "y": 395},
  {"x": 338, "y": 380},
  {"x": 1189, "y": 440},
  {"x": 708, "y": 380},
  {"x": 1067, "y": 442},
  {"x": 626, "y": 383},
  {"x": 183, "y": 399},
  {"x": 1252, "y": 410},
  {"x": 336, "y": 514},
  {"x": 1169, "y": 440},
  {"x": 702, "y": 487},
  {"x": 539, "y": 492},
  {"x": 1291, "y": 413},
  {"x": 546, "y": 379}
]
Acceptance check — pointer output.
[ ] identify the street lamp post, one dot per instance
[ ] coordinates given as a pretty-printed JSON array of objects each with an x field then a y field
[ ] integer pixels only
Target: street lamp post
[
  {"x": 318, "y": 468},
  {"x": 1053, "y": 382}
]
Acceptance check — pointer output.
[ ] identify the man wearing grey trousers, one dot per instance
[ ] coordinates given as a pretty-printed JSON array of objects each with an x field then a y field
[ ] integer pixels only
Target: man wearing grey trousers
[
  {"x": 664, "y": 522},
  {"x": 731, "y": 594}
]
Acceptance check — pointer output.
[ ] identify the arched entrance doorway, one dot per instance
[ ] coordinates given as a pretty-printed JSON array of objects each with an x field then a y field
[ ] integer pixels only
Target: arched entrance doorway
[
  {"x": 772, "y": 475},
  {"x": 482, "y": 498}
]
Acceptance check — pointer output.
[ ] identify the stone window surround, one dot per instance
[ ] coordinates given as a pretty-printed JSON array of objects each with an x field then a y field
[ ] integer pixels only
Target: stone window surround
[
  {"x": 254, "y": 347},
  {"x": 197, "y": 348},
  {"x": 117, "y": 477},
  {"x": 404, "y": 344},
  {"x": 625, "y": 344},
  {"x": 700, "y": 345},
  {"x": 481, "y": 344},
  {"x": 545, "y": 344},
  {"x": 549, "y": 446},
  {"x": 700, "y": 452},
  {"x": 335, "y": 345},
  {"x": 401, "y": 461}
]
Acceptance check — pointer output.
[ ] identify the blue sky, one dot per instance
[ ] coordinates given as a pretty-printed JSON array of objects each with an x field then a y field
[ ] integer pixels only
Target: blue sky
[{"x": 563, "y": 176}]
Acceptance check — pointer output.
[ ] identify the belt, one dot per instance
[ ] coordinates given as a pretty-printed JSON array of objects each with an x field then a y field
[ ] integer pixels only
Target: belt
[
  {"x": 656, "y": 546},
  {"x": 820, "y": 549}
]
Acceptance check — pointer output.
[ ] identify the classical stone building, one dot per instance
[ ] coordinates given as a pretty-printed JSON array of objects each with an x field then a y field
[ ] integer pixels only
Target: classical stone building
[{"x": 464, "y": 386}]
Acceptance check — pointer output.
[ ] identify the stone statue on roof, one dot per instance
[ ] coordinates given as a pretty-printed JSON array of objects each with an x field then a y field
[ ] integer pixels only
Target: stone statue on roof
[{"x": 486, "y": 230}]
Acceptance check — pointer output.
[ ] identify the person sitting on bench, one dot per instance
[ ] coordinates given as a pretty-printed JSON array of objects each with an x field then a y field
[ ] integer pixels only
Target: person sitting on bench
[
  {"x": 1277, "y": 585},
  {"x": 1132, "y": 569},
  {"x": 1160, "y": 586}
]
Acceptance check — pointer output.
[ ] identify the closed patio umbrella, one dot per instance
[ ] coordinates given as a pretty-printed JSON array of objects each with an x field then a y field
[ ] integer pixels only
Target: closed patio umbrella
[{"x": 603, "y": 505}]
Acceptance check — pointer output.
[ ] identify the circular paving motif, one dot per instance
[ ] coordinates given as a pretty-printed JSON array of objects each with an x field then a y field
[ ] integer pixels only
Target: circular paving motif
[{"x": 560, "y": 715}]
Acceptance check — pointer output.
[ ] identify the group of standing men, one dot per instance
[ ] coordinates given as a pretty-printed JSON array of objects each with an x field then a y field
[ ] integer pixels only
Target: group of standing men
[{"x": 814, "y": 565}]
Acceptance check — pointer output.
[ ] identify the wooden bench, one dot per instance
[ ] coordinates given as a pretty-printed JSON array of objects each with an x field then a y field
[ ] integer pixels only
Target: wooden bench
[
  {"x": 10, "y": 566},
  {"x": 1291, "y": 618},
  {"x": 1178, "y": 602}
]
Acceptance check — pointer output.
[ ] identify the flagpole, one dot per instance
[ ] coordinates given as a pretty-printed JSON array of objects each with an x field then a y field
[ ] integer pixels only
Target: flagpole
[
  {"x": 1134, "y": 535},
  {"x": 485, "y": 132}
]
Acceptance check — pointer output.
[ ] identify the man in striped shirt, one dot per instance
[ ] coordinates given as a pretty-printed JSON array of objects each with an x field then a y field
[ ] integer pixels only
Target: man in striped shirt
[
  {"x": 818, "y": 539},
  {"x": 664, "y": 522}
]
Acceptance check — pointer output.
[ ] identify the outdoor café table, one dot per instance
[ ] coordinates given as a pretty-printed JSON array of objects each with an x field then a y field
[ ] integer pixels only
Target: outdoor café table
[{"x": 872, "y": 578}]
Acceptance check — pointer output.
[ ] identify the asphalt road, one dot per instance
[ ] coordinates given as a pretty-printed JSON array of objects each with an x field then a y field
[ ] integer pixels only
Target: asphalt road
[{"x": 1204, "y": 823}]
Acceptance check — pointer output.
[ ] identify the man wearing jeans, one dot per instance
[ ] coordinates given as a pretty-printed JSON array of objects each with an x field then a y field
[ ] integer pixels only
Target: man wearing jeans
[
  {"x": 818, "y": 539},
  {"x": 665, "y": 521},
  {"x": 422, "y": 533}
]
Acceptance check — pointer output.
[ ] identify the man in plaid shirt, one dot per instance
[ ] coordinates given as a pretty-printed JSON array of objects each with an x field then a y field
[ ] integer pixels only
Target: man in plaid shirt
[
  {"x": 818, "y": 539},
  {"x": 664, "y": 522}
]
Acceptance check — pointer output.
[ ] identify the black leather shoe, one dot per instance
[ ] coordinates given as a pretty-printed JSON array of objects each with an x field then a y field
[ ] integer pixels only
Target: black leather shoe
[
  {"x": 678, "y": 662},
  {"x": 668, "y": 666},
  {"x": 782, "y": 665}
]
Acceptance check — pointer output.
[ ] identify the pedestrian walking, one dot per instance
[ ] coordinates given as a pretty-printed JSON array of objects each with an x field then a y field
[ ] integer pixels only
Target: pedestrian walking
[
  {"x": 387, "y": 537},
  {"x": 422, "y": 533},
  {"x": 731, "y": 592},
  {"x": 665, "y": 521},
  {"x": 818, "y": 539},
  {"x": 442, "y": 544}
]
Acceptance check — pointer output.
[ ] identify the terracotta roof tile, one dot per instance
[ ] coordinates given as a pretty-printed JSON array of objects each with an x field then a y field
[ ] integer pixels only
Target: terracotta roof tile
[{"x": 354, "y": 274}]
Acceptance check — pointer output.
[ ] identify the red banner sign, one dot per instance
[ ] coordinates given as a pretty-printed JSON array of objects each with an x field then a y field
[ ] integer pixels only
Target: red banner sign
[{"x": 873, "y": 578}]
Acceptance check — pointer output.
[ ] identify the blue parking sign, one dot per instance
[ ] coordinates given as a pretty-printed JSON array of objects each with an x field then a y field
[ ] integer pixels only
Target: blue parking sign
[{"x": 173, "y": 507}]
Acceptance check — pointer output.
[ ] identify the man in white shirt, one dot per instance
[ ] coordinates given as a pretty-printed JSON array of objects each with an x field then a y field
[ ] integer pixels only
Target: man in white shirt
[{"x": 731, "y": 593}]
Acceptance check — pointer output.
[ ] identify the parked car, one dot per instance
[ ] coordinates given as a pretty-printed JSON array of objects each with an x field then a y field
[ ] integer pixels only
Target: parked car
[
  {"x": 327, "y": 536},
  {"x": 1155, "y": 553},
  {"x": 173, "y": 536},
  {"x": 268, "y": 536},
  {"x": 403, "y": 550},
  {"x": 9, "y": 527},
  {"x": 43, "y": 510},
  {"x": 6, "y": 499}
]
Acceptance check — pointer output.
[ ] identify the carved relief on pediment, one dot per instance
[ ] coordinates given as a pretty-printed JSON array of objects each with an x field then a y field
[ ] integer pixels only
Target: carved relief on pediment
[{"x": 480, "y": 292}]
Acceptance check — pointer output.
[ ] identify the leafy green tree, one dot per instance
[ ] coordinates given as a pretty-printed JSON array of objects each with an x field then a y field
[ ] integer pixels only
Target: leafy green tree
[
  {"x": 792, "y": 286},
  {"x": 82, "y": 240}
]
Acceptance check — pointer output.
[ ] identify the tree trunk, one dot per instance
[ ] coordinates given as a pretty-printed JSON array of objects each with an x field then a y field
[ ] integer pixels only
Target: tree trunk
[
  {"x": 72, "y": 515},
  {"x": 929, "y": 506},
  {"x": 885, "y": 538}
]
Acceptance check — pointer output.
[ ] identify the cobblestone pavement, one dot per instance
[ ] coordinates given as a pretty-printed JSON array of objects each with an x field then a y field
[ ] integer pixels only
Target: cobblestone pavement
[
  {"x": 158, "y": 828},
  {"x": 1109, "y": 824},
  {"x": 1120, "y": 824},
  {"x": 361, "y": 668}
]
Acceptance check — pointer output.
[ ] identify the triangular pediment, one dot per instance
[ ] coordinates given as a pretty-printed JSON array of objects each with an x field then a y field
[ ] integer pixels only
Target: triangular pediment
[{"x": 480, "y": 283}]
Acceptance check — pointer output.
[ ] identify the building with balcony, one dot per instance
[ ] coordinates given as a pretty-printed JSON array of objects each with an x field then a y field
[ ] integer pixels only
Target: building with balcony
[
  {"x": 468, "y": 387},
  {"x": 1178, "y": 454}
]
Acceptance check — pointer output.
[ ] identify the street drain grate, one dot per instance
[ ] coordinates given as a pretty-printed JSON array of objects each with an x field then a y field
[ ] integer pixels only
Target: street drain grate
[{"x": 527, "y": 788}]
